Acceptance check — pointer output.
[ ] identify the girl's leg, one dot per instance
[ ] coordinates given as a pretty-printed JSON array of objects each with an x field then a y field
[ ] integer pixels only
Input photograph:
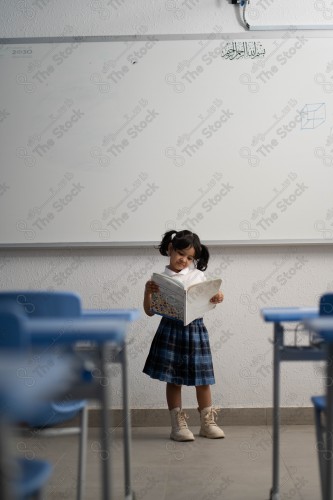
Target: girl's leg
[
  {"x": 204, "y": 396},
  {"x": 179, "y": 429},
  {"x": 174, "y": 396},
  {"x": 209, "y": 428}
]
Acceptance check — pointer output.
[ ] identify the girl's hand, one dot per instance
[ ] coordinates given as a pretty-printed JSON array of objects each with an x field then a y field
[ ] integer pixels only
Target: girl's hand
[
  {"x": 151, "y": 287},
  {"x": 218, "y": 298}
]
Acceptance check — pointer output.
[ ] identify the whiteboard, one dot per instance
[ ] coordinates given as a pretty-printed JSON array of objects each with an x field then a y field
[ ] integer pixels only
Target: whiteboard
[{"x": 115, "y": 142}]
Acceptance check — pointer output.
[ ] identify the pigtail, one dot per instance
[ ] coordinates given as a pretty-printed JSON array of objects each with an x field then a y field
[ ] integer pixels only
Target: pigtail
[
  {"x": 202, "y": 262},
  {"x": 167, "y": 238}
]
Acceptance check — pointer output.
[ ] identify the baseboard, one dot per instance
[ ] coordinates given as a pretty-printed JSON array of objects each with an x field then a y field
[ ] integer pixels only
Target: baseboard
[{"x": 159, "y": 417}]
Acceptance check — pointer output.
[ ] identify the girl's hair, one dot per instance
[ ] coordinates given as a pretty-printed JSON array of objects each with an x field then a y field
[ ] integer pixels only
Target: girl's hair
[{"x": 186, "y": 239}]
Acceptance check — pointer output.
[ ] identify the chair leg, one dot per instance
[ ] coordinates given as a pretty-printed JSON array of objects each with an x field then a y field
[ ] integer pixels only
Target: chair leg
[
  {"x": 127, "y": 426},
  {"x": 5, "y": 461},
  {"x": 82, "y": 461}
]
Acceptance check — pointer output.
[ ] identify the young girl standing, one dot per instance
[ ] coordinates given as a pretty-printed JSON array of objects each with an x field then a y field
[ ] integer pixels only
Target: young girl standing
[{"x": 180, "y": 355}]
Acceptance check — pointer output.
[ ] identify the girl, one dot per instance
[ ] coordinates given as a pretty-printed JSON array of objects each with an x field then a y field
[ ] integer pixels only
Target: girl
[{"x": 181, "y": 354}]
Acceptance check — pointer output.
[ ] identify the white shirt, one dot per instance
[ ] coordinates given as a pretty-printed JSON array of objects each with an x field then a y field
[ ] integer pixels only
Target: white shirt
[{"x": 188, "y": 276}]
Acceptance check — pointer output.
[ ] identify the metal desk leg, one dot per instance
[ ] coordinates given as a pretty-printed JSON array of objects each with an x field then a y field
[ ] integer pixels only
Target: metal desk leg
[
  {"x": 127, "y": 427},
  {"x": 106, "y": 423},
  {"x": 6, "y": 472},
  {"x": 278, "y": 343},
  {"x": 328, "y": 488},
  {"x": 83, "y": 439}
]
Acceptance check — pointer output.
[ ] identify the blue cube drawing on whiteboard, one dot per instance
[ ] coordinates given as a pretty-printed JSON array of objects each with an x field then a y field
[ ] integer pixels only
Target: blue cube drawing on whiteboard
[{"x": 313, "y": 115}]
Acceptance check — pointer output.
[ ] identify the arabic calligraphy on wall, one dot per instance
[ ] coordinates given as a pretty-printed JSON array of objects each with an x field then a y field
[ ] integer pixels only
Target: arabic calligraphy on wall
[{"x": 243, "y": 49}]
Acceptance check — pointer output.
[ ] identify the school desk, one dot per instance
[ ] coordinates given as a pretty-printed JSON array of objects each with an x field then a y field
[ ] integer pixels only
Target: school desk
[
  {"x": 127, "y": 315},
  {"x": 101, "y": 329},
  {"x": 324, "y": 328},
  {"x": 282, "y": 352}
]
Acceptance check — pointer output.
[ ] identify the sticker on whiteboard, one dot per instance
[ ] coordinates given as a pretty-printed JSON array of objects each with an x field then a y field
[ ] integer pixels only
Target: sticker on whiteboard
[{"x": 313, "y": 115}]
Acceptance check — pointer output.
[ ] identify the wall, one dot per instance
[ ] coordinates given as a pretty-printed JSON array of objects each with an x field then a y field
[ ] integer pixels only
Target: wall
[{"x": 253, "y": 277}]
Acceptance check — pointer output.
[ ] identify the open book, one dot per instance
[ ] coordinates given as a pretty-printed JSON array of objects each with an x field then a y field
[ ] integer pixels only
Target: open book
[{"x": 176, "y": 301}]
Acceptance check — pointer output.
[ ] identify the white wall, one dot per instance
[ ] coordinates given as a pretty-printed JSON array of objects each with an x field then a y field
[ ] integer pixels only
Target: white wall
[{"x": 253, "y": 277}]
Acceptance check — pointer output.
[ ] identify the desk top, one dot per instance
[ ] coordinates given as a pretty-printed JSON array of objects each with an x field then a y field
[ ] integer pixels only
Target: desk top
[
  {"x": 46, "y": 331},
  {"x": 122, "y": 314},
  {"x": 284, "y": 314}
]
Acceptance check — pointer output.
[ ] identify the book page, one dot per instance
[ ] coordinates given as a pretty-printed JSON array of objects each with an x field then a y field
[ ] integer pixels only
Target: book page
[
  {"x": 170, "y": 300},
  {"x": 167, "y": 281},
  {"x": 198, "y": 299}
]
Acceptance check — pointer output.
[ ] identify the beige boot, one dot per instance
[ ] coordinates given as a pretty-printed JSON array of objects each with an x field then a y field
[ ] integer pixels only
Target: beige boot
[
  {"x": 180, "y": 431},
  {"x": 209, "y": 428}
]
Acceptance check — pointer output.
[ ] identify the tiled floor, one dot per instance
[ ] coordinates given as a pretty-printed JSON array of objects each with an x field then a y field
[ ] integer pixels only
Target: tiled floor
[{"x": 238, "y": 467}]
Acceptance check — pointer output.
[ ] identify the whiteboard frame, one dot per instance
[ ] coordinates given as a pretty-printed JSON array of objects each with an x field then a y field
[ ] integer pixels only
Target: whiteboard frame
[
  {"x": 152, "y": 244},
  {"x": 310, "y": 33}
]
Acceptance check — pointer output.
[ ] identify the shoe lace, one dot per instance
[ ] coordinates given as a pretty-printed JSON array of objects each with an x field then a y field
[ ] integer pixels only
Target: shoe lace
[
  {"x": 211, "y": 416},
  {"x": 181, "y": 420}
]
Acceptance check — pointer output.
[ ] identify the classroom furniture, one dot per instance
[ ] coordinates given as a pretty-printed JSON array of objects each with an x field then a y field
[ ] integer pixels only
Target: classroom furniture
[
  {"x": 100, "y": 330},
  {"x": 324, "y": 328},
  {"x": 319, "y": 405},
  {"x": 20, "y": 478},
  {"x": 33, "y": 475},
  {"x": 127, "y": 315},
  {"x": 66, "y": 305},
  {"x": 279, "y": 316},
  {"x": 319, "y": 402},
  {"x": 22, "y": 394},
  {"x": 119, "y": 99},
  {"x": 322, "y": 410}
]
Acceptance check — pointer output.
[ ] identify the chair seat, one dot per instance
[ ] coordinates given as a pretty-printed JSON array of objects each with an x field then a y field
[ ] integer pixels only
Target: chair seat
[
  {"x": 319, "y": 402},
  {"x": 55, "y": 413},
  {"x": 32, "y": 475}
]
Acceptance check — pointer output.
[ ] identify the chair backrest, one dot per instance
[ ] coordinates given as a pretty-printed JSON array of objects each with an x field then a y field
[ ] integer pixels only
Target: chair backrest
[
  {"x": 44, "y": 303},
  {"x": 12, "y": 334},
  {"x": 326, "y": 304}
]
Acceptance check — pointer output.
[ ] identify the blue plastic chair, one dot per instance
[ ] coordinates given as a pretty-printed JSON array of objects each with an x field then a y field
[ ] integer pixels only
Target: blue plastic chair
[
  {"x": 20, "y": 478},
  {"x": 33, "y": 475},
  {"x": 319, "y": 402},
  {"x": 61, "y": 305}
]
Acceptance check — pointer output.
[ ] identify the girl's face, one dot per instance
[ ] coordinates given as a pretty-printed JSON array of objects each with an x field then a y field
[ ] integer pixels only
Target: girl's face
[{"x": 180, "y": 259}]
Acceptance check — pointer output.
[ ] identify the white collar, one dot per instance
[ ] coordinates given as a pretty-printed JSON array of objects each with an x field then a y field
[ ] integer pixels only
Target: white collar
[{"x": 169, "y": 272}]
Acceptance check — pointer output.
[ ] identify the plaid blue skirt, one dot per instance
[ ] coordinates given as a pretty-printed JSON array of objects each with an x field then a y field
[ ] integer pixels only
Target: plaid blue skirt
[{"x": 181, "y": 354}]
